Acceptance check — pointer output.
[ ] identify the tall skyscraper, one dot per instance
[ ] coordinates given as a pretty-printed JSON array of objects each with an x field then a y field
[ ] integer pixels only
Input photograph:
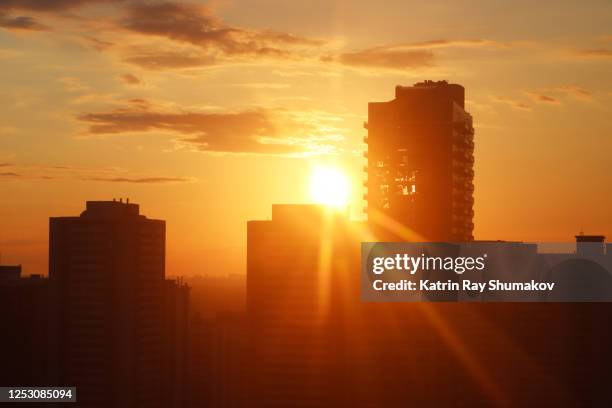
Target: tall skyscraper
[
  {"x": 106, "y": 268},
  {"x": 293, "y": 268},
  {"x": 421, "y": 162}
]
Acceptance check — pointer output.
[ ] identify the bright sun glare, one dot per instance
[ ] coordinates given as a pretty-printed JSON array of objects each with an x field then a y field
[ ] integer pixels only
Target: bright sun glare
[{"x": 329, "y": 186}]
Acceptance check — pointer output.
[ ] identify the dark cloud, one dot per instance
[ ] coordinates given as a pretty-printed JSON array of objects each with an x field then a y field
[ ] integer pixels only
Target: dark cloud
[
  {"x": 48, "y": 5},
  {"x": 130, "y": 79},
  {"x": 99, "y": 44},
  {"x": 140, "y": 180},
  {"x": 385, "y": 57},
  {"x": 37, "y": 6},
  {"x": 9, "y": 174},
  {"x": 162, "y": 60},
  {"x": 194, "y": 25},
  {"x": 258, "y": 131},
  {"x": 513, "y": 103},
  {"x": 21, "y": 23},
  {"x": 540, "y": 97}
]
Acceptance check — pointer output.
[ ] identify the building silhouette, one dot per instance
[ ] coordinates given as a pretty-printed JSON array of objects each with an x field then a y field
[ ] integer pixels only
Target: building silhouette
[
  {"x": 119, "y": 325},
  {"x": 23, "y": 344},
  {"x": 294, "y": 328},
  {"x": 420, "y": 162}
]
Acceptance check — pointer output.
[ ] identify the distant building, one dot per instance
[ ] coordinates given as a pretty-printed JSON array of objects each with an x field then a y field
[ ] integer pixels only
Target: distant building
[
  {"x": 229, "y": 359},
  {"x": 175, "y": 335},
  {"x": 10, "y": 273},
  {"x": 421, "y": 163},
  {"x": 23, "y": 312},
  {"x": 201, "y": 381},
  {"x": 218, "y": 361},
  {"x": 113, "y": 307},
  {"x": 590, "y": 244}
]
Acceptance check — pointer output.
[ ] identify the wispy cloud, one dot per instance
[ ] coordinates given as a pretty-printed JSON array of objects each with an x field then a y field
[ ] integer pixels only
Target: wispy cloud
[
  {"x": 575, "y": 91},
  {"x": 384, "y": 57},
  {"x": 195, "y": 25},
  {"x": 454, "y": 43},
  {"x": 130, "y": 79},
  {"x": 48, "y": 5},
  {"x": 594, "y": 53},
  {"x": 167, "y": 59},
  {"x": 257, "y": 131},
  {"x": 25, "y": 23},
  {"x": 517, "y": 104},
  {"x": 543, "y": 98},
  {"x": 50, "y": 172},
  {"x": 412, "y": 55},
  {"x": 554, "y": 95},
  {"x": 41, "y": 8},
  {"x": 140, "y": 180}
]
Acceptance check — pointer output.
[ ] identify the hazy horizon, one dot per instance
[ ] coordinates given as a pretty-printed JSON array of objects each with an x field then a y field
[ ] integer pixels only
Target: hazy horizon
[{"x": 207, "y": 113}]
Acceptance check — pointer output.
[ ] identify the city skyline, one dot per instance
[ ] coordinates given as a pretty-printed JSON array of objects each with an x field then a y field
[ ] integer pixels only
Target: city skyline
[{"x": 101, "y": 101}]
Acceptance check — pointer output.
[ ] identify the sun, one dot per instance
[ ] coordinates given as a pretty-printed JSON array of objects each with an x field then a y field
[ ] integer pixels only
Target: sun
[{"x": 329, "y": 186}]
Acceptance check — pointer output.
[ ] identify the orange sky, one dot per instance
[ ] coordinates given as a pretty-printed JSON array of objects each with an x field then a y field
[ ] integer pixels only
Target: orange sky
[{"x": 207, "y": 113}]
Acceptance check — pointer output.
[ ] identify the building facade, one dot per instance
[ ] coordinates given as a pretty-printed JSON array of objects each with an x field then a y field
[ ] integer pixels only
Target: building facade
[
  {"x": 106, "y": 270},
  {"x": 295, "y": 345},
  {"x": 420, "y": 162}
]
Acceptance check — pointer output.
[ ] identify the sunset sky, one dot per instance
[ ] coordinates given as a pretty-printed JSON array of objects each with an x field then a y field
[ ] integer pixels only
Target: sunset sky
[{"x": 207, "y": 113}]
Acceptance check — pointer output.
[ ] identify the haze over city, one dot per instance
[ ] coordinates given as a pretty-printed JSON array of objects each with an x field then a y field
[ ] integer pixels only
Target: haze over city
[{"x": 207, "y": 113}]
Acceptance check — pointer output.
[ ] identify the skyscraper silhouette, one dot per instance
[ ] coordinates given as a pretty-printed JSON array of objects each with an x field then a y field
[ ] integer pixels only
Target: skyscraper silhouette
[
  {"x": 292, "y": 272},
  {"x": 106, "y": 269},
  {"x": 23, "y": 306},
  {"x": 421, "y": 163}
]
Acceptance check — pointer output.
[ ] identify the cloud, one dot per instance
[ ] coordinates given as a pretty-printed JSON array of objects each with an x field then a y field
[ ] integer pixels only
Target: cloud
[
  {"x": 513, "y": 103},
  {"x": 98, "y": 44},
  {"x": 600, "y": 53},
  {"x": 195, "y": 25},
  {"x": 21, "y": 23},
  {"x": 73, "y": 84},
  {"x": 37, "y": 6},
  {"x": 164, "y": 60},
  {"x": 48, "y": 5},
  {"x": 445, "y": 43},
  {"x": 262, "y": 85},
  {"x": 385, "y": 57},
  {"x": 27, "y": 172},
  {"x": 575, "y": 91},
  {"x": 555, "y": 95},
  {"x": 141, "y": 180},
  {"x": 130, "y": 79},
  {"x": 412, "y": 55},
  {"x": 258, "y": 131},
  {"x": 542, "y": 98}
]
